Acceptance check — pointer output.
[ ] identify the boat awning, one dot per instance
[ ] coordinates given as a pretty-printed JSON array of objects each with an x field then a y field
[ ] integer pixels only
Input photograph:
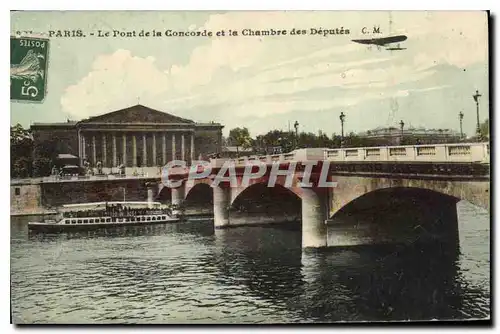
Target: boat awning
[
  {"x": 102, "y": 205},
  {"x": 66, "y": 156}
]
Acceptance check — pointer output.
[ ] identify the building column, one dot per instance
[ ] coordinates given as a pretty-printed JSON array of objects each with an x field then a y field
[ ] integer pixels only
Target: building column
[
  {"x": 115, "y": 162},
  {"x": 124, "y": 162},
  {"x": 164, "y": 148},
  {"x": 178, "y": 195},
  {"x": 191, "y": 153},
  {"x": 84, "y": 154},
  {"x": 134, "y": 151},
  {"x": 94, "y": 151},
  {"x": 222, "y": 200},
  {"x": 154, "y": 162},
  {"x": 104, "y": 148},
  {"x": 173, "y": 147},
  {"x": 80, "y": 148},
  {"x": 314, "y": 228},
  {"x": 183, "y": 148},
  {"x": 144, "y": 151}
]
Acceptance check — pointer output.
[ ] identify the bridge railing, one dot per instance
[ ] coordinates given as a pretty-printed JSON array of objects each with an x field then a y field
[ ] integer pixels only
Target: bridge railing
[
  {"x": 302, "y": 154},
  {"x": 462, "y": 152},
  {"x": 267, "y": 159},
  {"x": 72, "y": 178}
]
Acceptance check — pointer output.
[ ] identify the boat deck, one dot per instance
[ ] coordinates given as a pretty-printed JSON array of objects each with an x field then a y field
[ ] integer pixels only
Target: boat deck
[{"x": 90, "y": 223}]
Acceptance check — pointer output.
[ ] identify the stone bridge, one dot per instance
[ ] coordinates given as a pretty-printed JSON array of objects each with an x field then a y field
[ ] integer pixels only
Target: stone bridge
[
  {"x": 422, "y": 182},
  {"x": 417, "y": 185}
]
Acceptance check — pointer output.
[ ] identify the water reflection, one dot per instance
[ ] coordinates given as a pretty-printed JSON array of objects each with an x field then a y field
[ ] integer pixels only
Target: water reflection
[
  {"x": 383, "y": 283},
  {"x": 189, "y": 273},
  {"x": 349, "y": 284},
  {"x": 267, "y": 260}
]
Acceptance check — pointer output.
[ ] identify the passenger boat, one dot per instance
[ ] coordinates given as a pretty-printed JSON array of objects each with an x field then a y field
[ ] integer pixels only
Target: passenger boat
[{"x": 88, "y": 216}]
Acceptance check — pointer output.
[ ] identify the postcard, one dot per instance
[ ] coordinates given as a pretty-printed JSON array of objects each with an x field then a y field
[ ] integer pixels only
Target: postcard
[{"x": 249, "y": 167}]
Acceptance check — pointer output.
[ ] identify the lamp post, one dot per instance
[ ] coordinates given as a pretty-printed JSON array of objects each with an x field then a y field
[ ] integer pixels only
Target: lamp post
[
  {"x": 296, "y": 126},
  {"x": 402, "y": 125},
  {"x": 476, "y": 99},
  {"x": 461, "y": 117},
  {"x": 342, "y": 120}
]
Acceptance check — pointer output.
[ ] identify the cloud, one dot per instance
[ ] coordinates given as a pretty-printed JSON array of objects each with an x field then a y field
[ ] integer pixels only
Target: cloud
[{"x": 115, "y": 80}]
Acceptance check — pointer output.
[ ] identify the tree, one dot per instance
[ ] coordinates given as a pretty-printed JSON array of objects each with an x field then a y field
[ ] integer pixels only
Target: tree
[
  {"x": 484, "y": 129},
  {"x": 240, "y": 137},
  {"x": 274, "y": 138},
  {"x": 353, "y": 140},
  {"x": 21, "y": 147},
  {"x": 46, "y": 153}
]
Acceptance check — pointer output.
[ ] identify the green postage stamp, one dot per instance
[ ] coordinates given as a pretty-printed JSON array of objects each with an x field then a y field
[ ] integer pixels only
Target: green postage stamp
[{"x": 28, "y": 69}]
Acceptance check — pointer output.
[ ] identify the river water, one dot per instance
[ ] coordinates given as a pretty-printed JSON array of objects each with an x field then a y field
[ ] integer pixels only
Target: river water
[{"x": 189, "y": 273}]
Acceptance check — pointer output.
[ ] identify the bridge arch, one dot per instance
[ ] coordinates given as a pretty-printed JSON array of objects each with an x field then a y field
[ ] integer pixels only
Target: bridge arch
[
  {"x": 263, "y": 182},
  {"x": 196, "y": 185},
  {"x": 199, "y": 200},
  {"x": 349, "y": 188},
  {"x": 396, "y": 215},
  {"x": 259, "y": 203},
  {"x": 200, "y": 193},
  {"x": 164, "y": 194}
]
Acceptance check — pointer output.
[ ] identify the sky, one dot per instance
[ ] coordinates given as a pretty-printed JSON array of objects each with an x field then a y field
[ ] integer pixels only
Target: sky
[{"x": 266, "y": 82}]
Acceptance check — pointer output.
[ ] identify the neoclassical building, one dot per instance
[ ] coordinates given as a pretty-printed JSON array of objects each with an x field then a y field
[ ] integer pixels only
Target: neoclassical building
[{"x": 137, "y": 137}]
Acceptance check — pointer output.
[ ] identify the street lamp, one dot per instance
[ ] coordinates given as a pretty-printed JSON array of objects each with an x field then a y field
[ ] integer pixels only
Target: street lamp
[
  {"x": 476, "y": 99},
  {"x": 402, "y": 125},
  {"x": 342, "y": 120},
  {"x": 296, "y": 126},
  {"x": 461, "y": 117}
]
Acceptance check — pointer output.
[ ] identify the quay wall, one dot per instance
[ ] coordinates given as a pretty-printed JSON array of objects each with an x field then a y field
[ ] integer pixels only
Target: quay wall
[
  {"x": 57, "y": 194},
  {"x": 26, "y": 199},
  {"x": 31, "y": 196}
]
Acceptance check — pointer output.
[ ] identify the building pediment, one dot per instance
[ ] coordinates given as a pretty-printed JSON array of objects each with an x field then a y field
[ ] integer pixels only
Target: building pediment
[{"x": 137, "y": 114}]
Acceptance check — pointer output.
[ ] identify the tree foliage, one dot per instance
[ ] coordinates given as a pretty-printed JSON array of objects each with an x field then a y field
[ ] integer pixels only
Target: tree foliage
[
  {"x": 21, "y": 148},
  {"x": 240, "y": 137},
  {"x": 484, "y": 129},
  {"x": 46, "y": 153},
  {"x": 288, "y": 141}
]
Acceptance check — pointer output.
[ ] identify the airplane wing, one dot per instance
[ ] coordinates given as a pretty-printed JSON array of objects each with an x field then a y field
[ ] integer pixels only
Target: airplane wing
[
  {"x": 366, "y": 41},
  {"x": 381, "y": 41},
  {"x": 393, "y": 39}
]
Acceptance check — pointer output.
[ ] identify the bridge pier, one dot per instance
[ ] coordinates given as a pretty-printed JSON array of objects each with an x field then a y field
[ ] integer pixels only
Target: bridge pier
[
  {"x": 178, "y": 195},
  {"x": 314, "y": 209},
  {"x": 151, "y": 190},
  {"x": 222, "y": 200}
]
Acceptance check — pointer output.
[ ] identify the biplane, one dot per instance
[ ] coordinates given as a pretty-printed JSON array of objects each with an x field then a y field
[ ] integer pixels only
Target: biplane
[{"x": 384, "y": 41}]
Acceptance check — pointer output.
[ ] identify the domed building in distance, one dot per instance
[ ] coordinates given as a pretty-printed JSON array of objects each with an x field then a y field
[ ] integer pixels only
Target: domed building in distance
[{"x": 412, "y": 136}]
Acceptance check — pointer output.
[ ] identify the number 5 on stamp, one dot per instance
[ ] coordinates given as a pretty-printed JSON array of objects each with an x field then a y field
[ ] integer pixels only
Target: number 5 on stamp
[{"x": 28, "y": 69}]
